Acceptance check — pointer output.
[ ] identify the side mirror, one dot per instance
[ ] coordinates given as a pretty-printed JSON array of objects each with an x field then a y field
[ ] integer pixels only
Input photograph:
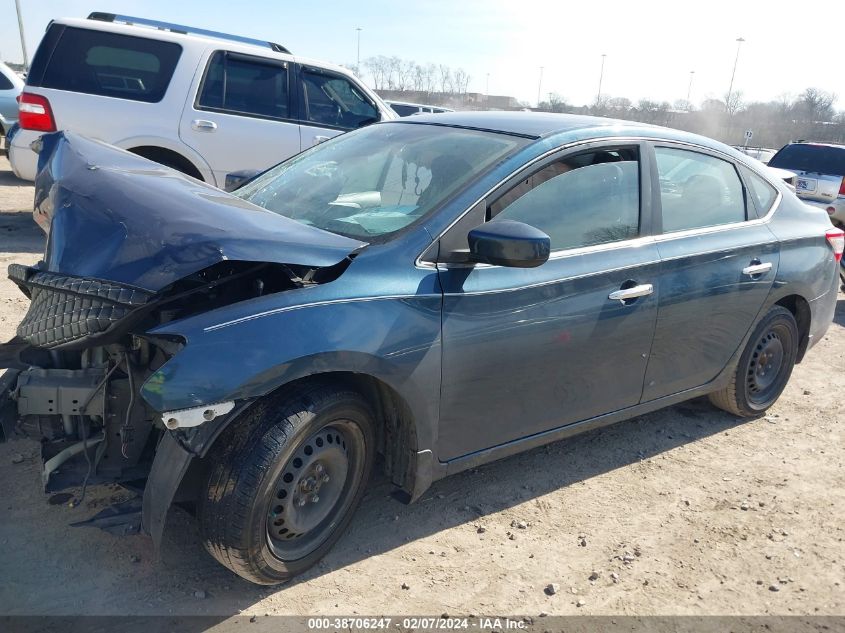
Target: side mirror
[
  {"x": 237, "y": 179},
  {"x": 509, "y": 243}
]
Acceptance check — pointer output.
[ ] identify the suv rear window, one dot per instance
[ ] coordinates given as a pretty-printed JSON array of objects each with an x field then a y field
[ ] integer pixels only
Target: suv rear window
[
  {"x": 821, "y": 159},
  {"x": 111, "y": 65}
]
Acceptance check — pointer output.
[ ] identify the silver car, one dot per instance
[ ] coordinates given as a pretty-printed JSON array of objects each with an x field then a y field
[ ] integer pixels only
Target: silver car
[
  {"x": 10, "y": 87},
  {"x": 820, "y": 168}
]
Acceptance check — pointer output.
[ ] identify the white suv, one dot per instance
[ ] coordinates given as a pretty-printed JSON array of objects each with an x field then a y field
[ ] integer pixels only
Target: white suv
[{"x": 205, "y": 103}]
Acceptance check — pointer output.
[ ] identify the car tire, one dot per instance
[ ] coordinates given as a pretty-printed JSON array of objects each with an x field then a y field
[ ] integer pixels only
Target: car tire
[
  {"x": 763, "y": 368},
  {"x": 284, "y": 481}
]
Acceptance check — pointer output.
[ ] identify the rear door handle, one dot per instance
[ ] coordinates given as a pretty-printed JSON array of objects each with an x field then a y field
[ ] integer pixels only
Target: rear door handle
[
  {"x": 757, "y": 269},
  {"x": 626, "y": 294},
  {"x": 321, "y": 139},
  {"x": 201, "y": 125}
]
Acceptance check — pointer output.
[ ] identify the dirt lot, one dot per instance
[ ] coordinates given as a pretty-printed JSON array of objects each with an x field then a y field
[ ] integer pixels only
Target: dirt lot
[{"x": 684, "y": 511}]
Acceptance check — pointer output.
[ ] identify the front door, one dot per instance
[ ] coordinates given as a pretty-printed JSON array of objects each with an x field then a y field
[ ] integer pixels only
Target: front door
[
  {"x": 529, "y": 350},
  {"x": 331, "y": 104},
  {"x": 241, "y": 118}
]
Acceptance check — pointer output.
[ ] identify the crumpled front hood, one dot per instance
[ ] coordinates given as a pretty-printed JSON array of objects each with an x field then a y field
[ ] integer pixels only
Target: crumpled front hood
[{"x": 116, "y": 216}]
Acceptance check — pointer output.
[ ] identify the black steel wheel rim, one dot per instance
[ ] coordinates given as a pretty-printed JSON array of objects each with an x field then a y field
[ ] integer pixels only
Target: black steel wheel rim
[
  {"x": 314, "y": 489},
  {"x": 767, "y": 366}
]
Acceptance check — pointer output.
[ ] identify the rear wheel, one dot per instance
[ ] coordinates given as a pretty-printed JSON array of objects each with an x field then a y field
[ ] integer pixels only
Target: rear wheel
[
  {"x": 763, "y": 368},
  {"x": 285, "y": 481}
]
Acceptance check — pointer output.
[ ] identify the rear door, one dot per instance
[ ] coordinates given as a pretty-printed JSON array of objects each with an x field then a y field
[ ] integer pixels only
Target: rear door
[
  {"x": 241, "y": 117},
  {"x": 329, "y": 104},
  {"x": 718, "y": 260}
]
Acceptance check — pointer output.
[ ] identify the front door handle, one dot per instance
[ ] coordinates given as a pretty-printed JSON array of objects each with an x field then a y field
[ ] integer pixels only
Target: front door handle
[
  {"x": 201, "y": 125},
  {"x": 757, "y": 269},
  {"x": 626, "y": 294}
]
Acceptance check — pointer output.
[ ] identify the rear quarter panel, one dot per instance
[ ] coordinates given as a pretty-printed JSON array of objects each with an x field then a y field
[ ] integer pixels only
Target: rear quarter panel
[{"x": 807, "y": 266}]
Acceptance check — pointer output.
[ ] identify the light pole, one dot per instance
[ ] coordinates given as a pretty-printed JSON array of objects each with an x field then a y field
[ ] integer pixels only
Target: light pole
[
  {"x": 23, "y": 41},
  {"x": 358, "y": 63},
  {"x": 689, "y": 88},
  {"x": 739, "y": 42},
  {"x": 601, "y": 77},
  {"x": 539, "y": 86}
]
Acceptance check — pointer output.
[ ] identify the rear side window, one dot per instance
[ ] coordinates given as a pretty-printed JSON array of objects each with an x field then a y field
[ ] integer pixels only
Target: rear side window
[
  {"x": 335, "y": 101},
  {"x": 111, "y": 65},
  {"x": 822, "y": 159},
  {"x": 244, "y": 84},
  {"x": 763, "y": 193},
  {"x": 5, "y": 83},
  {"x": 582, "y": 200},
  {"x": 698, "y": 190}
]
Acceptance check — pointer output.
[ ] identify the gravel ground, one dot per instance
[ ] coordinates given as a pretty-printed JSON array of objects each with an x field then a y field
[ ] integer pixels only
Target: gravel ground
[{"x": 683, "y": 511}]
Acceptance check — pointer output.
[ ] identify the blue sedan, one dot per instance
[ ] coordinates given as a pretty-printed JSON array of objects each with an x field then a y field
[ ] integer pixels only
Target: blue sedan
[{"x": 441, "y": 291}]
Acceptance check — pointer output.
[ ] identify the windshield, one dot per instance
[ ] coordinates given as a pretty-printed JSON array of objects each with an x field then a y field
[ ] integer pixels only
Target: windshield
[
  {"x": 822, "y": 159},
  {"x": 372, "y": 183}
]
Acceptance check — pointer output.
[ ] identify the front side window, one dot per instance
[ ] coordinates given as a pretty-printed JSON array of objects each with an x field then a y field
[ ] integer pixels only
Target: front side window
[
  {"x": 335, "y": 101},
  {"x": 244, "y": 84},
  {"x": 372, "y": 183},
  {"x": 582, "y": 200},
  {"x": 111, "y": 65},
  {"x": 698, "y": 190}
]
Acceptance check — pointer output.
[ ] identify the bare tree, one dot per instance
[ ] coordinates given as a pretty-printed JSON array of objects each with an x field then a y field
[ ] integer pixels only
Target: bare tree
[
  {"x": 445, "y": 76},
  {"x": 816, "y": 105},
  {"x": 734, "y": 102}
]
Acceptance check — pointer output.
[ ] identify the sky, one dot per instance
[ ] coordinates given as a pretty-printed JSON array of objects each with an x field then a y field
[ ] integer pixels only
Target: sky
[{"x": 651, "y": 46}]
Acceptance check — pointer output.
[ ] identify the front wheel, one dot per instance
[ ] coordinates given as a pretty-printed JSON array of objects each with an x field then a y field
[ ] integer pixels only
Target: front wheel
[
  {"x": 763, "y": 368},
  {"x": 284, "y": 482}
]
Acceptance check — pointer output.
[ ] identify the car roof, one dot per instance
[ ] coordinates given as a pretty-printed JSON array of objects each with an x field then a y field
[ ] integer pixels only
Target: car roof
[
  {"x": 572, "y": 127},
  {"x": 839, "y": 145},
  {"x": 222, "y": 41},
  {"x": 528, "y": 124}
]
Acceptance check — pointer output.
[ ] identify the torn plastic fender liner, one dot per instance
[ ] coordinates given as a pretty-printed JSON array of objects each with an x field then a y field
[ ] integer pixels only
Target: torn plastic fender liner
[
  {"x": 173, "y": 457},
  {"x": 114, "y": 216}
]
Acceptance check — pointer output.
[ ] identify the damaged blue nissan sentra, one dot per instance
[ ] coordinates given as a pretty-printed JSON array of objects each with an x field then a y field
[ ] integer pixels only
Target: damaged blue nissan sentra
[{"x": 439, "y": 291}]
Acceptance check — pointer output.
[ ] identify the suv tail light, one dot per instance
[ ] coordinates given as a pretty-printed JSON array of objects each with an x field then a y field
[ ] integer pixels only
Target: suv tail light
[
  {"x": 836, "y": 239},
  {"x": 34, "y": 113}
]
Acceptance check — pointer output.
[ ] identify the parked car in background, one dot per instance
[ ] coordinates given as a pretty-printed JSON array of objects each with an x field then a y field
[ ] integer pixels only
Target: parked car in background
[
  {"x": 820, "y": 168},
  {"x": 201, "y": 102},
  {"x": 10, "y": 134},
  {"x": 403, "y": 108},
  {"x": 763, "y": 154},
  {"x": 442, "y": 290},
  {"x": 10, "y": 87}
]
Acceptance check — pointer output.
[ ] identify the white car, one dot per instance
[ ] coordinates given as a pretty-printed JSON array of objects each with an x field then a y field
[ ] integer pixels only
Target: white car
[
  {"x": 202, "y": 102},
  {"x": 10, "y": 87}
]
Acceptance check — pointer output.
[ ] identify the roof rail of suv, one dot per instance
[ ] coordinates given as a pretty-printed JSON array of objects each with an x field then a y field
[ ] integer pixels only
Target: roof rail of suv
[{"x": 179, "y": 28}]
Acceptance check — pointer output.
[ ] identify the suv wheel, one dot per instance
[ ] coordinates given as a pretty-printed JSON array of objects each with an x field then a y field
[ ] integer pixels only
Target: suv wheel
[
  {"x": 763, "y": 368},
  {"x": 284, "y": 482}
]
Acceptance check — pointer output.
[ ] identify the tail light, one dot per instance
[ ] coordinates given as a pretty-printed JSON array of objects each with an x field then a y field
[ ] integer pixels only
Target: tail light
[
  {"x": 34, "y": 113},
  {"x": 842, "y": 187},
  {"x": 836, "y": 239}
]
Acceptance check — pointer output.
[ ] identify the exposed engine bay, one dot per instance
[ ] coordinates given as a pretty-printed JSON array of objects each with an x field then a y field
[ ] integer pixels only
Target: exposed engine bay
[
  {"x": 117, "y": 265},
  {"x": 82, "y": 356}
]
